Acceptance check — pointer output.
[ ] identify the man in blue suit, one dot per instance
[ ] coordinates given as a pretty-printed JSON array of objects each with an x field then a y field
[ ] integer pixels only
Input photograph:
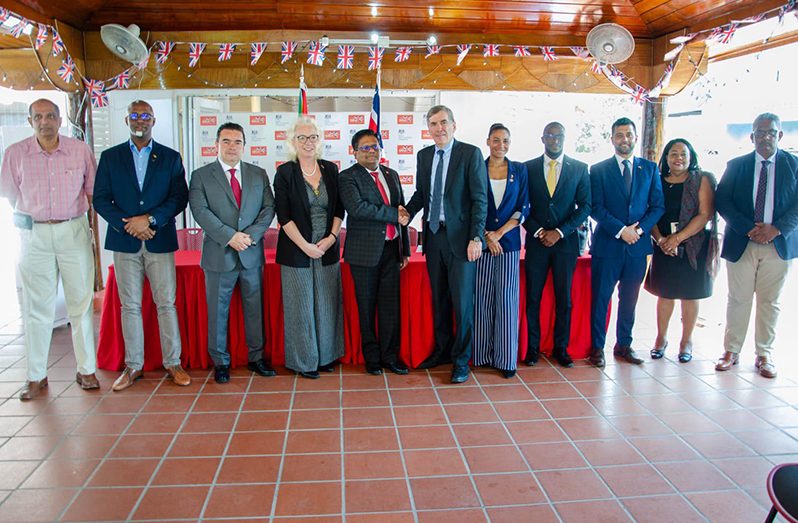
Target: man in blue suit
[
  {"x": 559, "y": 196},
  {"x": 758, "y": 199},
  {"x": 627, "y": 201},
  {"x": 139, "y": 189}
]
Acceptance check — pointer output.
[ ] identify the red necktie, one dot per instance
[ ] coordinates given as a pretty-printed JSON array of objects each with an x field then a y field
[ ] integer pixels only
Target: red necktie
[
  {"x": 236, "y": 187},
  {"x": 390, "y": 229}
]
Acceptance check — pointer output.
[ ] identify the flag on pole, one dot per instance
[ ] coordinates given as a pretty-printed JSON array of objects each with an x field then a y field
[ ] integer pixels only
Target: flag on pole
[
  {"x": 346, "y": 56},
  {"x": 194, "y": 52},
  {"x": 67, "y": 70},
  {"x": 41, "y": 36},
  {"x": 255, "y": 51},
  {"x": 374, "y": 119},
  {"x": 303, "y": 92},
  {"x": 287, "y": 51}
]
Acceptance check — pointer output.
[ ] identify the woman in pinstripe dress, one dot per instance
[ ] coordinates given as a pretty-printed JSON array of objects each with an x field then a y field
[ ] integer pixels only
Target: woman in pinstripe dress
[{"x": 497, "y": 293}]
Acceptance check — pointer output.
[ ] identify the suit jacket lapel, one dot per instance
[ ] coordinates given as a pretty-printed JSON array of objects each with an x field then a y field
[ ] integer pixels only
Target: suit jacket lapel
[
  {"x": 617, "y": 175},
  {"x": 246, "y": 185},
  {"x": 782, "y": 171},
  {"x": 127, "y": 161},
  {"x": 566, "y": 165},
  {"x": 747, "y": 192},
  {"x": 368, "y": 181},
  {"x": 394, "y": 186},
  {"x": 152, "y": 165},
  {"x": 454, "y": 163},
  {"x": 221, "y": 179}
]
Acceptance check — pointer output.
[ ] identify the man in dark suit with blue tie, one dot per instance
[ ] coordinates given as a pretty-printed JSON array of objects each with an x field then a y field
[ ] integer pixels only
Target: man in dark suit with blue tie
[
  {"x": 559, "y": 196},
  {"x": 758, "y": 199},
  {"x": 452, "y": 189},
  {"x": 627, "y": 201},
  {"x": 139, "y": 189}
]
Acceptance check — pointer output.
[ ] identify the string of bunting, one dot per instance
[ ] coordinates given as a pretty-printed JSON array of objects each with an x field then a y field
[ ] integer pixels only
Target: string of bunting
[{"x": 345, "y": 60}]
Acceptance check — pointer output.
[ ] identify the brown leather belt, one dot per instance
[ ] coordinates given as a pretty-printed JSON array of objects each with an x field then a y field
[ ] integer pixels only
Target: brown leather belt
[{"x": 51, "y": 222}]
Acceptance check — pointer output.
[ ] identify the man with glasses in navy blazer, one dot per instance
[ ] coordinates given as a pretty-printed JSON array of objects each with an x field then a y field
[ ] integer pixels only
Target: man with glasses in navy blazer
[{"x": 627, "y": 201}]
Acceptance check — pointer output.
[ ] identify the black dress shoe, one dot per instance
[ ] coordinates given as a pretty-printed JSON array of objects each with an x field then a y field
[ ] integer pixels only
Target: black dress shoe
[
  {"x": 330, "y": 367},
  {"x": 597, "y": 358},
  {"x": 658, "y": 352},
  {"x": 311, "y": 374},
  {"x": 508, "y": 373},
  {"x": 373, "y": 369},
  {"x": 460, "y": 374},
  {"x": 627, "y": 353},
  {"x": 532, "y": 357},
  {"x": 396, "y": 367},
  {"x": 261, "y": 368},
  {"x": 221, "y": 373},
  {"x": 563, "y": 358}
]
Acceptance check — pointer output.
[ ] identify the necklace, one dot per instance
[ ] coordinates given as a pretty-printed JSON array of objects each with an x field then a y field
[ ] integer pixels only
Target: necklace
[{"x": 311, "y": 173}]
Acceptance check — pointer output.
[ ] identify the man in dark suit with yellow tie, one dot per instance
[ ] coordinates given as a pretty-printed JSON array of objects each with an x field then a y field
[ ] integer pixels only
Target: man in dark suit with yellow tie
[
  {"x": 559, "y": 197},
  {"x": 451, "y": 188}
]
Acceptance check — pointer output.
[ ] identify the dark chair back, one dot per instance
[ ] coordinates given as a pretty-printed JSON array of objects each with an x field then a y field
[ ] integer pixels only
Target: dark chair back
[{"x": 783, "y": 491}]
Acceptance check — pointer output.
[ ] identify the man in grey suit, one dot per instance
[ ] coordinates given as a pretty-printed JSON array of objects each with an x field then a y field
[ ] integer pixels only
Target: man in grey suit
[
  {"x": 452, "y": 189},
  {"x": 233, "y": 203}
]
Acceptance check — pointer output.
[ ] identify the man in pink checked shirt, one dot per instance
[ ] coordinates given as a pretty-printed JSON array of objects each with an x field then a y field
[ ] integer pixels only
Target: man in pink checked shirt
[{"x": 48, "y": 179}]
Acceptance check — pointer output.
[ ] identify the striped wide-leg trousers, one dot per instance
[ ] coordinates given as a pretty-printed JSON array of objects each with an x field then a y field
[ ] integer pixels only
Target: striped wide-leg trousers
[{"x": 496, "y": 310}]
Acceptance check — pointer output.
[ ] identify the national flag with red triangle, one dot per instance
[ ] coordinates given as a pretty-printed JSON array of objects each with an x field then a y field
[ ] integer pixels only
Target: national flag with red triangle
[
  {"x": 402, "y": 54},
  {"x": 256, "y": 50},
  {"x": 41, "y": 36},
  {"x": 287, "y": 51},
  {"x": 67, "y": 70},
  {"x": 521, "y": 50},
  {"x": 226, "y": 51},
  {"x": 548, "y": 54},
  {"x": 195, "y": 50},
  {"x": 163, "y": 50},
  {"x": 302, "y": 107}
]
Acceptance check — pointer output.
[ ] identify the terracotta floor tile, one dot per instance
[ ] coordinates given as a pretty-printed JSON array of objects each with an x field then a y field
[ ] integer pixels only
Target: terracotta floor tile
[
  {"x": 308, "y": 499},
  {"x": 664, "y": 448},
  {"x": 718, "y": 445},
  {"x": 198, "y": 445},
  {"x": 117, "y": 404},
  {"x": 327, "y": 382},
  {"x": 103, "y": 504},
  {"x": 746, "y": 472},
  {"x": 535, "y": 431},
  {"x": 240, "y": 501},
  {"x": 316, "y": 467},
  {"x": 656, "y": 509},
  {"x": 54, "y": 473},
  {"x": 543, "y": 456},
  {"x": 569, "y": 408},
  {"x": 238, "y": 384},
  {"x": 508, "y": 489},
  {"x": 588, "y": 428},
  {"x": 729, "y": 507},
  {"x": 694, "y": 476},
  {"x": 476, "y": 413},
  {"x": 219, "y": 403},
  {"x": 12, "y": 424},
  {"x": 540, "y": 374},
  {"x": 767, "y": 442},
  {"x": 494, "y": 459},
  {"x": 209, "y": 422},
  {"x": 595, "y": 389},
  {"x": 273, "y": 401},
  {"x": 169, "y": 403},
  {"x": 49, "y": 425},
  {"x": 30, "y": 505},
  {"x": 13, "y": 473},
  {"x": 609, "y": 452},
  {"x": 316, "y": 400},
  {"x": 385, "y": 517},
  {"x": 370, "y": 417},
  {"x": 461, "y": 394},
  {"x": 521, "y": 411},
  {"x": 475, "y": 434},
  {"x": 756, "y": 398},
  {"x": 413, "y": 380},
  {"x": 172, "y": 502},
  {"x": 276, "y": 384},
  {"x": 438, "y": 462},
  {"x": 385, "y": 495},
  {"x": 634, "y": 480},
  {"x": 368, "y": 398},
  {"x": 562, "y": 390},
  {"x": 572, "y": 485},
  {"x": 316, "y": 419},
  {"x": 76, "y": 405},
  {"x": 358, "y": 440},
  {"x": 30, "y": 448},
  {"x": 156, "y": 423},
  {"x": 403, "y": 397},
  {"x": 643, "y": 425},
  {"x": 443, "y": 493},
  {"x": 536, "y": 513},
  {"x": 251, "y": 469},
  {"x": 592, "y": 512},
  {"x": 426, "y": 437},
  {"x": 257, "y": 421},
  {"x": 373, "y": 465},
  {"x": 186, "y": 471},
  {"x": 362, "y": 382},
  {"x": 452, "y": 516},
  {"x": 124, "y": 473},
  {"x": 782, "y": 417},
  {"x": 84, "y": 447},
  {"x": 304, "y": 441},
  {"x": 508, "y": 393},
  {"x": 689, "y": 423},
  {"x": 618, "y": 406},
  {"x": 244, "y": 443},
  {"x": 665, "y": 403},
  {"x": 419, "y": 415}
]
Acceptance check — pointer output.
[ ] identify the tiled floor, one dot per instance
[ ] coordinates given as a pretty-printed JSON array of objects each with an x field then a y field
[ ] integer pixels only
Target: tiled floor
[{"x": 660, "y": 442}]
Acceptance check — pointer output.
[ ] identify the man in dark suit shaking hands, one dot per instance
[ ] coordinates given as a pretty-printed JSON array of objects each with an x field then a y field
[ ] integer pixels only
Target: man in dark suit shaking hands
[
  {"x": 559, "y": 196},
  {"x": 451, "y": 188},
  {"x": 758, "y": 198},
  {"x": 376, "y": 248},
  {"x": 627, "y": 201}
]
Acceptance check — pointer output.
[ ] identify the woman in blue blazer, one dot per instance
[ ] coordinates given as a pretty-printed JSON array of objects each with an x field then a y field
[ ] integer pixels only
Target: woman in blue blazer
[{"x": 498, "y": 269}]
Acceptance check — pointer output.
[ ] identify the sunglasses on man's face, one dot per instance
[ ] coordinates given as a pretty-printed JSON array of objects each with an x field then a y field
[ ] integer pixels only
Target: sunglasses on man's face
[{"x": 145, "y": 117}]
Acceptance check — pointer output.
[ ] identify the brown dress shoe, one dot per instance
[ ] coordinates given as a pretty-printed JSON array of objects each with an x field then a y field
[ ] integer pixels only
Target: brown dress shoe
[
  {"x": 126, "y": 379},
  {"x": 179, "y": 376},
  {"x": 767, "y": 368},
  {"x": 728, "y": 360},
  {"x": 87, "y": 381},
  {"x": 32, "y": 389}
]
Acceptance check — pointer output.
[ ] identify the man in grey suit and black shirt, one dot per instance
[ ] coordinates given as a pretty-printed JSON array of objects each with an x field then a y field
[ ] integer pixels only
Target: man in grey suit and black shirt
[
  {"x": 376, "y": 248},
  {"x": 452, "y": 189},
  {"x": 233, "y": 203}
]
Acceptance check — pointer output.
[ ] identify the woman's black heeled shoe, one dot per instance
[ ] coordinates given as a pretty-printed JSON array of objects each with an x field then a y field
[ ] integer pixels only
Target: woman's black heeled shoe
[
  {"x": 685, "y": 353},
  {"x": 658, "y": 352}
]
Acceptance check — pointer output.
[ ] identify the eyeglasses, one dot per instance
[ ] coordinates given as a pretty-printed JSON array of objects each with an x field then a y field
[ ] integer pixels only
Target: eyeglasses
[
  {"x": 313, "y": 138},
  {"x": 771, "y": 133},
  {"x": 367, "y": 148},
  {"x": 144, "y": 117},
  {"x": 549, "y": 136}
]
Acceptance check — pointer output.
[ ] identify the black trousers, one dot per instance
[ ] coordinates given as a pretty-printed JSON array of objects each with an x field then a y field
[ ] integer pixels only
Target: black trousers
[
  {"x": 537, "y": 264},
  {"x": 453, "y": 281},
  {"x": 377, "y": 294}
]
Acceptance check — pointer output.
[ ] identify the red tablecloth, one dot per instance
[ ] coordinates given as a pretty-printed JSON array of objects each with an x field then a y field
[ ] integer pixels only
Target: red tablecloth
[{"x": 416, "y": 309}]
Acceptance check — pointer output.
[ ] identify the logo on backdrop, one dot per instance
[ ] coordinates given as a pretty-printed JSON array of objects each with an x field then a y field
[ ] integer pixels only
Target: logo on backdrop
[
  {"x": 404, "y": 119},
  {"x": 259, "y": 119},
  {"x": 207, "y": 120}
]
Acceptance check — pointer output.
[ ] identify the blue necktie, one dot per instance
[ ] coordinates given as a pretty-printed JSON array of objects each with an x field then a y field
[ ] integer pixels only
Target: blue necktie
[
  {"x": 437, "y": 196},
  {"x": 627, "y": 177}
]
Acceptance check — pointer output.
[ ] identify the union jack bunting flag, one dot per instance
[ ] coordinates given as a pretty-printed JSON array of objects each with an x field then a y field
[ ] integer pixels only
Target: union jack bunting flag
[
  {"x": 67, "y": 70},
  {"x": 163, "y": 50},
  {"x": 402, "y": 54},
  {"x": 4, "y": 14},
  {"x": 490, "y": 50},
  {"x": 316, "y": 53},
  {"x": 727, "y": 33},
  {"x": 548, "y": 54},
  {"x": 256, "y": 50},
  {"x": 143, "y": 64},
  {"x": 96, "y": 89},
  {"x": 58, "y": 44},
  {"x": 287, "y": 51},
  {"x": 17, "y": 30},
  {"x": 122, "y": 80},
  {"x": 226, "y": 51},
  {"x": 195, "y": 50},
  {"x": 432, "y": 49},
  {"x": 41, "y": 36},
  {"x": 595, "y": 67},
  {"x": 462, "y": 52},
  {"x": 521, "y": 50},
  {"x": 346, "y": 56},
  {"x": 640, "y": 95},
  {"x": 581, "y": 52},
  {"x": 375, "y": 57}
]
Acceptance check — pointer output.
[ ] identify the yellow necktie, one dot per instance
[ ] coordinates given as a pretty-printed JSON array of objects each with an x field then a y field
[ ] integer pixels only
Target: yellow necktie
[{"x": 551, "y": 178}]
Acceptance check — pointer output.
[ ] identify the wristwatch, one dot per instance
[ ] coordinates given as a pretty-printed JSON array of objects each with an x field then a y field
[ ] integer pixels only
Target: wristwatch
[
  {"x": 477, "y": 239},
  {"x": 639, "y": 231},
  {"x": 151, "y": 219}
]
